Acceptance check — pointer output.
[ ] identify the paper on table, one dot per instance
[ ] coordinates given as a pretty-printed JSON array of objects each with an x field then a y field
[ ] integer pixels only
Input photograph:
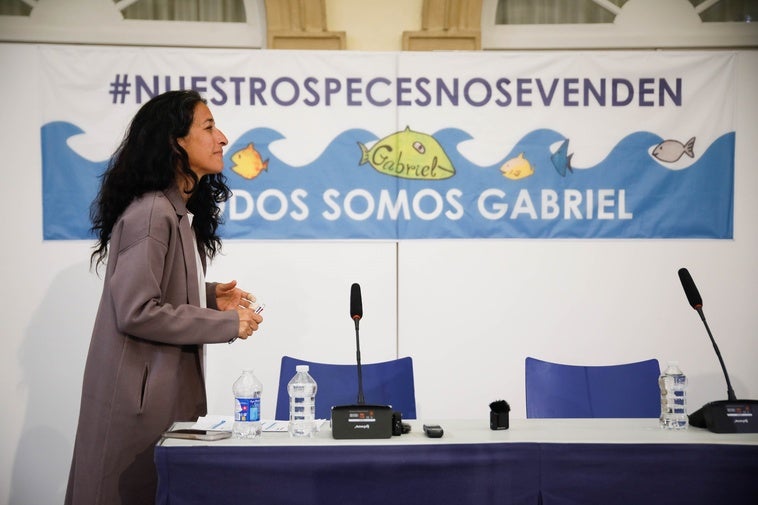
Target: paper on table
[
  {"x": 284, "y": 425},
  {"x": 214, "y": 422},
  {"x": 272, "y": 426},
  {"x": 225, "y": 423}
]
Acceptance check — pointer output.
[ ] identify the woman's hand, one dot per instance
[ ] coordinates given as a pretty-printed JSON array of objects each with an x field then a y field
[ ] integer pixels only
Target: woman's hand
[
  {"x": 249, "y": 322},
  {"x": 230, "y": 297}
]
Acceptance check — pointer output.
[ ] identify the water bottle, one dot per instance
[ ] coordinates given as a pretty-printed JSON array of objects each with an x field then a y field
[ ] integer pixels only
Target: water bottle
[
  {"x": 302, "y": 392},
  {"x": 247, "y": 406},
  {"x": 673, "y": 384}
]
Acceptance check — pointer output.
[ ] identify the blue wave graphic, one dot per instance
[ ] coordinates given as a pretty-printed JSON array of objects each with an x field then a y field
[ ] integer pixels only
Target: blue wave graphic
[
  {"x": 335, "y": 197},
  {"x": 69, "y": 184}
]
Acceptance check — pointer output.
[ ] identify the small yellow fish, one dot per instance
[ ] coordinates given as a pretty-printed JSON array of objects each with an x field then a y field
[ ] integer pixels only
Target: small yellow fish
[
  {"x": 248, "y": 163},
  {"x": 517, "y": 168}
]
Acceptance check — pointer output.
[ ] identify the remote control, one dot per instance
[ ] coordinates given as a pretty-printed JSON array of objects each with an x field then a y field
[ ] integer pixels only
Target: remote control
[{"x": 433, "y": 430}]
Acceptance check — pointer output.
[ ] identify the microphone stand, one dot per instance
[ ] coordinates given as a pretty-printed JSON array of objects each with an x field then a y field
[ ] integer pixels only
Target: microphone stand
[
  {"x": 729, "y": 391},
  {"x": 361, "y": 401}
]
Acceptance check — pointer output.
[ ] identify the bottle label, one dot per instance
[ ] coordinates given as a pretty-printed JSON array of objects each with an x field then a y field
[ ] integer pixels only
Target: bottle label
[{"x": 248, "y": 409}]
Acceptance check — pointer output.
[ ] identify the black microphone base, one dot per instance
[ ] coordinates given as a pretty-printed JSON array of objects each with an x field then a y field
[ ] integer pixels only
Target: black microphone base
[
  {"x": 361, "y": 421},
  {"x": 727, "y": 416}
]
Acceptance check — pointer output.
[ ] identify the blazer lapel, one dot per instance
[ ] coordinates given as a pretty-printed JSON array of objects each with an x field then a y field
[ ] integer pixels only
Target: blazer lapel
[{"x": 188, "y": 245}]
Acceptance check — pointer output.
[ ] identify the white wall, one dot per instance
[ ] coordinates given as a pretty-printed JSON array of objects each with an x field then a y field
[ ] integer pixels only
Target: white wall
[{"x": 468, "y": 312}]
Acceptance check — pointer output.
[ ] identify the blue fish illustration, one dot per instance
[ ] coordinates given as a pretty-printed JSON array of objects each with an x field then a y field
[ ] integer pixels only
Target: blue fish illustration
[
  {"x": 670, "y": 151},
  {"x": 562, "y": 159}
]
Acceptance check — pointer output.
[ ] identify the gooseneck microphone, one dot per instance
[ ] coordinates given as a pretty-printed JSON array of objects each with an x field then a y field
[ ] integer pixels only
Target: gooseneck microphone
[
  {"x": 361, "y": 420},
  {"x": 693, "y": 296},
  {"x": 721, "y": 416},
  {"x": 356, "y": 313}
]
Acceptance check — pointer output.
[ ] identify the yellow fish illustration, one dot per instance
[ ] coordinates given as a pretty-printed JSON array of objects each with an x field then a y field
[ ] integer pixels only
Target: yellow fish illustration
[
  {"x": 517, "y": 168},
  {"x": 248, "y": 163}
]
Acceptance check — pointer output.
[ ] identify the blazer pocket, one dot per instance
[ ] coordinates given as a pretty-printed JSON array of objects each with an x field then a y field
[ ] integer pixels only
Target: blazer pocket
[{"x": 143, "y": 388}]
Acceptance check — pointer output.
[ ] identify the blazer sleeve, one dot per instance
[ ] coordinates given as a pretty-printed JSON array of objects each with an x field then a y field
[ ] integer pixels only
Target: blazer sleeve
[
  {"x": 210, "y": 295},
  {"x": 149, "y": 285}
]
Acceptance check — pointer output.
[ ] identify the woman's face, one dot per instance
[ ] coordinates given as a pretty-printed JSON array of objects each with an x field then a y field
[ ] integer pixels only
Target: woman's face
[{"x": 204, "y": 143}]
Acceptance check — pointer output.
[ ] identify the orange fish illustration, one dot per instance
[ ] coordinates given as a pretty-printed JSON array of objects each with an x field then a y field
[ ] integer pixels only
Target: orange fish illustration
[{"x": 248, "y": 162}]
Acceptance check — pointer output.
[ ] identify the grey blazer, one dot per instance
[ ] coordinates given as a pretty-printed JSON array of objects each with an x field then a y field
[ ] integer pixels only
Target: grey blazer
[{"x": 144, "y": 368}]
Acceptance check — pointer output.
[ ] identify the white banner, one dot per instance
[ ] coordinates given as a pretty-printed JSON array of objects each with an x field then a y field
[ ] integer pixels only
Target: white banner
[{"x": 341, "y": 145}]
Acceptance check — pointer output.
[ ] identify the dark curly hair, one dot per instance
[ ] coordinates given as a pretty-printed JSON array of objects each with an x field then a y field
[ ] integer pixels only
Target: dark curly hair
[{"x": 148, "y": 160}]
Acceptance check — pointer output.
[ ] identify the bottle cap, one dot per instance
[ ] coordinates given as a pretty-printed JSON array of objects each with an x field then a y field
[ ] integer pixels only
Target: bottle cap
[
  {"x": 673, "y": 368},
  {"x": 302, "y": 368}
]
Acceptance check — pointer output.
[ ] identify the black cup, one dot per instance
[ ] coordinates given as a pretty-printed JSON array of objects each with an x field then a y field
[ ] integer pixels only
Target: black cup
[{"x": 499, "y": 420}]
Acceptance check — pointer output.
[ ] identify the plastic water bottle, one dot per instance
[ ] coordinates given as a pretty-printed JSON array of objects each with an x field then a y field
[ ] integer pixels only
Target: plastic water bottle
[
  {"x": 247, "y": 406},
  {"x": 302, "y": 392},
  {"x": 673, "y": 384}
]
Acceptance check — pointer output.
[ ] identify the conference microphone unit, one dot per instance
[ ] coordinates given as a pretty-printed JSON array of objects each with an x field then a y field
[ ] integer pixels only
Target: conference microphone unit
[
  {"x": 360, "y": 421},
  {"x": 721, "y": 416}
]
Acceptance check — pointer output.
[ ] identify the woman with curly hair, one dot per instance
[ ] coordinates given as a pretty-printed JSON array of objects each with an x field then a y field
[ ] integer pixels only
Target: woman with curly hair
[{"x": 156, "y": 219}]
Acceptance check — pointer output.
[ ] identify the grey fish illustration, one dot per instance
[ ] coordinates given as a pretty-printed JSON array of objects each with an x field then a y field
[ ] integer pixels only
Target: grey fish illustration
[{"x": 670, "y": 151}]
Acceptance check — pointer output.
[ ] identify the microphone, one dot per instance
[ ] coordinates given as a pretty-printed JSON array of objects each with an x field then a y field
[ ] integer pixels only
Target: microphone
[
  {"x": 356, "y": 305},
  {"x": 693, "y": 295},
  {"x": 729, "y": 416},
  {"x": 356, "y": 313}
]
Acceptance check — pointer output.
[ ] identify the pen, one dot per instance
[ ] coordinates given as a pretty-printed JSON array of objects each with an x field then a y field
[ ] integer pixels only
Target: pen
[{"x": 218, "y": 424}]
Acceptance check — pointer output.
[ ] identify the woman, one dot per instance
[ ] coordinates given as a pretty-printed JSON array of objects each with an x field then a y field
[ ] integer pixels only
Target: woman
[{"x": 156, "y": 219}]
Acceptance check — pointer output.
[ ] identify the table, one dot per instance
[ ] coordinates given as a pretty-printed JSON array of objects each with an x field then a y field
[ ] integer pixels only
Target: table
[{"x": 536, "y": 461}]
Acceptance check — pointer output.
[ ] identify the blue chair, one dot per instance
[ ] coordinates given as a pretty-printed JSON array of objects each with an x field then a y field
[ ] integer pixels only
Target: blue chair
[
  {"x": 555, "y": 390},
  {"x": 386, "y": 383}
]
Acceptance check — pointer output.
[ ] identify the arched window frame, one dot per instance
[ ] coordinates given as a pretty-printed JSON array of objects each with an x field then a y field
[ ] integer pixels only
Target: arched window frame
[
  {"x": 101, "y": 22},
  {"x": 639, "y": 24}
]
